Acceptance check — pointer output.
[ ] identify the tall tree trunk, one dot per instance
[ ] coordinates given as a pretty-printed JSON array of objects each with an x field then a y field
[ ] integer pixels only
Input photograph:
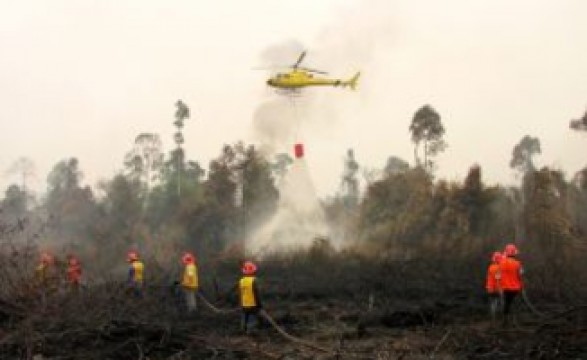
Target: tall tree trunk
[{"x": 426, "y": 155}]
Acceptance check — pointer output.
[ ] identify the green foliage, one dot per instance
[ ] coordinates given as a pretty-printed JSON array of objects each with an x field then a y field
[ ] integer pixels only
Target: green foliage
[
  {"x": 395, "y": 165},
  {"x": 551, "y": 240},
  {"x": 523, "y": 153},
  {"x": 281, "y": 163},
  {"x": 71, "y": 208},
  {"x": 394, "y": 210},
  {"x": 406, "y": 213},
  {"x": 14, "y": 204},
  {"x": 145, "y": 159},
  {"x": 579, "y": 124},
  {"x": 427, "y": 128}
]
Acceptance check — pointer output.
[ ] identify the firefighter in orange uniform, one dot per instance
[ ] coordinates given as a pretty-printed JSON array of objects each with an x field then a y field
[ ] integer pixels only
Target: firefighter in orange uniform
[
  {"x": 511, "y": 279},
  {"x": 74, "y": 272},
  {"x": 493, "y": 284},
  {"x": 249, "y": 296},
  {"x": 135, "y": 273},
  {"x": 189, "y": 281}
]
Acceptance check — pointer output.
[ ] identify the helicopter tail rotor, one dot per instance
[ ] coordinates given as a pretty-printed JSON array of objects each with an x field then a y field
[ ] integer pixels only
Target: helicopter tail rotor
[{"x": 353, "y": 81}]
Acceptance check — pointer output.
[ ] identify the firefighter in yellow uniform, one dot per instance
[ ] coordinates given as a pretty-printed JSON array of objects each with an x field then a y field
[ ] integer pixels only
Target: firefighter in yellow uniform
[
  {"x": 45, "y": 276},
  {"x": 249, "y": 296},
  {"x": 189, "y": 282},
  {"x": 135, "y": 273},
  {"x": 41, "y": 272}
]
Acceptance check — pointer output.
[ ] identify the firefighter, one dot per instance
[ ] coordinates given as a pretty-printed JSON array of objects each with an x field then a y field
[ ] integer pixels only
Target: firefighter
[
  {"x": 511, "y": 280},
  {"x": 189, "y": 281},
  {"x": 249, "y": 296},
  {"x": 493, "y": 284},
  {"x": 135, "y": 273},
  {"x": 74, "y": 272},
  {"x": 42, "y": 272},
  {"x": 45, "y": 276}
]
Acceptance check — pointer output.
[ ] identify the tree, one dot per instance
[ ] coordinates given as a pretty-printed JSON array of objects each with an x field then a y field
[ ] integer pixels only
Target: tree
[
  {"x": 427, "y": 128},
  {"x": 476, "y": 200},
  {"x": 122, "y": 206},
  {"x": 350, "y": 183},
  {"x": 63, "y": 178},
  {"x": 145, "y": 160},
  {"x": 523, "y": 152},
  {"x": 396, "y": 165},
  {"x": 259, "y": 192},
  {"x": 280, "y": 165},
  {"x": 550, "y": 229},
  {"x": 23, "y": 167},
  {"x": 395, "y": 211},
  {"x": 182, "y": 113},
  {"x": 72, "y": 208},
  {"x": 579, "y": 124},
  {"x": 14, "y": 203},
  {"x": 164, "y": 203}
]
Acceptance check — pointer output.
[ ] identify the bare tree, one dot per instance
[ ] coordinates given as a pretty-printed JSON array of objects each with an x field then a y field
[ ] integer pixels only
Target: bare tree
[
  {"x": 145, "y": 160},
  {"x": 349, "y": 181},
  {"x": 25, "y": 168}
]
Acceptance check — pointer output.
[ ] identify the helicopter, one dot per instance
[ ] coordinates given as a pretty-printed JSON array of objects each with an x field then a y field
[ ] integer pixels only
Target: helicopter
[{"x": 300, "y": 77}]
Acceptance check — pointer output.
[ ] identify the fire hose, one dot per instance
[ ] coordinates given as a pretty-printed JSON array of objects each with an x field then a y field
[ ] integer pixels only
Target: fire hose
[
  {"x": 214, "y": 308},
  {"x": 530, "y": 305},
  {"x": 272, "y": 322}
]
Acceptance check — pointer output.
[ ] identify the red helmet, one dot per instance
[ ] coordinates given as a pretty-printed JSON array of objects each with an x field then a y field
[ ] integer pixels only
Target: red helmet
[
  {"x": 132, "y": 256},
  {"x": 46, "y": 258},
  {"x": 511, "y": 250},
  {"x": 73, "y": 260},
  {"x": 188, "y": 258},
  {"x": 497, "y": 257},
  {"x": 249, "y": 268}
]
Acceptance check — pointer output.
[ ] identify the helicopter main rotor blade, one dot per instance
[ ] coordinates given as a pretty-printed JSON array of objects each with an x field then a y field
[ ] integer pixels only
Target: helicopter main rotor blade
[
  {"x": 269, "y": 67},
  {"x": 314, "y": 70},
  {"x": 302, "y": 56}
]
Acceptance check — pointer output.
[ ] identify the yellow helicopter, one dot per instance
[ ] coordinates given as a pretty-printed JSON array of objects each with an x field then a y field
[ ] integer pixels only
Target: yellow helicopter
[{"x": 300, "y": 77}]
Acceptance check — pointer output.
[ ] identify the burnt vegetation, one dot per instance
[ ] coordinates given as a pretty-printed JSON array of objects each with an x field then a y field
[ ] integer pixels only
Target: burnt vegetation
[{"x": 405, "y": 280}]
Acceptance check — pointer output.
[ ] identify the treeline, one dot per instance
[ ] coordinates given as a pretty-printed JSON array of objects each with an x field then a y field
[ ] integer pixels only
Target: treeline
[{"x": 163, "y": 204}]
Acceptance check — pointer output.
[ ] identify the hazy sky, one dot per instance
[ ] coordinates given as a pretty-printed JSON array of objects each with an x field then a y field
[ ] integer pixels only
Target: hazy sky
[{"x": 83, "y": 78}]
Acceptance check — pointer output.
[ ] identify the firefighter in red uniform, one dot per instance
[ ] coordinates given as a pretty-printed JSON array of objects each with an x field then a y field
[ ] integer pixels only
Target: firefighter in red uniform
[
  {"x": 493, "y": 284},
  {"x": 74, "y": 272},
  {"x": 511, "y": 279}
]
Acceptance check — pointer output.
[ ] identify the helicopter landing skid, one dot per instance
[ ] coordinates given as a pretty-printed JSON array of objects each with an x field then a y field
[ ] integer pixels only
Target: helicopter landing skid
[{"x": 289, "y": 92}]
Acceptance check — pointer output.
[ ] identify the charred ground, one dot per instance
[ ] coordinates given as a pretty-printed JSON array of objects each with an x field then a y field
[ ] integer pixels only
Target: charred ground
[{"x": 349, "y": 304}]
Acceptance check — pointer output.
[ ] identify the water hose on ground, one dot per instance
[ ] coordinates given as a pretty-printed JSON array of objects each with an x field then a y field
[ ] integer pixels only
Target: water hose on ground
[
  {"x": 530, "y": 305},
  {"x": 214, "y": 308},
  {"x": 292, "y": 338},
  {"x": 270, "y": 320}
]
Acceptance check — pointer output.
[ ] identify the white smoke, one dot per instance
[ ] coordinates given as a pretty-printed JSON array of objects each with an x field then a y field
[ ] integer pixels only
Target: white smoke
[{"x": 299, "y": 218}]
